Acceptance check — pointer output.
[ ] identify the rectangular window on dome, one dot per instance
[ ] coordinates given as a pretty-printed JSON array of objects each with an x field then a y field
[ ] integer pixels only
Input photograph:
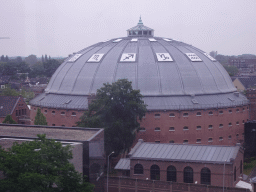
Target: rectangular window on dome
[
  {"x": 96, "y": 57},
  {"x": 74, "y": 58},
  {"x": 134, "y": 40},
  {"x": 117, "y": 40},
  {"x": 164, "y": 57},
  {"x": 193, "y": 57},
  {"x": 209, "y": 56},
  {"x": 128, "y": 57},
  {"x": 151, "y": 39}
]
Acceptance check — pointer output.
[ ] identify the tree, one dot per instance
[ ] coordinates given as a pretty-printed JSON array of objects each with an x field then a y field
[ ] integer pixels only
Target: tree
[
  {"x": 42, "y": 59},
  {"x": 232, "y": 70},
  {"x": 50, "y": 67},
  {"x": 117, "y": 108},
  {"x": 9, "y": 120},
  {"x": 31, "y": 60},
  {"x": 10, "y": 92},
  {"x": 40, "y": 119},
  {"x": 2, "y": 58},
  {"x": 40, "y": 165}
]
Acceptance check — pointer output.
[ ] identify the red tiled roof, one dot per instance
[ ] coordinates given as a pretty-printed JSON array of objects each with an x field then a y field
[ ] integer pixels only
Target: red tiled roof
[{"x": 7, "y": 104}]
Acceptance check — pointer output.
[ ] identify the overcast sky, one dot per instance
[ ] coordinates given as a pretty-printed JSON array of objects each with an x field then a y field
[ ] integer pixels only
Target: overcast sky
[{"x": 61, "y": 27}]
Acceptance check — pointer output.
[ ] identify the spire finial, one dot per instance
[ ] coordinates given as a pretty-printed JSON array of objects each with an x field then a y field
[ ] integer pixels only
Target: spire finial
[{"x": 140, "y": 21}]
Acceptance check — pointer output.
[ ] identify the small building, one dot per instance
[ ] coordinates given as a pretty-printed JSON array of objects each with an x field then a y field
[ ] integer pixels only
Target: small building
[
  {"x": 183, "y": 163},
  {"x": 16, "y": 107},
  {"x": 243, "y": 83},
  {"x": 88, "y": 145}
]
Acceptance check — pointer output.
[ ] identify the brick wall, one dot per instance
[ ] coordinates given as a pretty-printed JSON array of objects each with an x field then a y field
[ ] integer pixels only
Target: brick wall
[
  {"x": 119, "y": 184},
  {"x": 251, "y": 95}
]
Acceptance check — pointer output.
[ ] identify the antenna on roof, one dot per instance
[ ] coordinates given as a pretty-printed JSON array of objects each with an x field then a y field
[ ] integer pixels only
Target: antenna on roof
[{"x": 140, "y": 21}]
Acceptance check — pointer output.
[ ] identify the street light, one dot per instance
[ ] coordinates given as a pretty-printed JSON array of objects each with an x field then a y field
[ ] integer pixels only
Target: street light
[
  {"x": 108, "y": 168},
  {"x": 224, "y": 175}
]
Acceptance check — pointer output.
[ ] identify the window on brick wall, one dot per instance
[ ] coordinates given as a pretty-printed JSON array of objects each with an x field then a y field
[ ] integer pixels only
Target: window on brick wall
[
  {"x": 206, "y": 176},
  {"x": 210, "y": 140},
  {"x": 221, "y": 126},
  {"x": 73, "y": 114},
  {"x": 229, "y": 137},
  {"x": 157, "y": 115},
  {"x": 142, "y": 129},
  {"x": 171, "y": 115},
  {"x": 237, "y": 123},
  {"x": 237, "y": 110},
  {"x": 157, "y": 129},
  {"x": 185, "y": 128},
  {"x": 62, "y": 113},
  {"x": 154, "y": 172},
  {"x": 220, "y": 112},
  {"x": 230, "y": 124},
  {"x": 198, "y": 140},
  {"x": 198, "y": 114},
  {"x": 230, "y": 111},
  {"x": 198, "y": 127},
  {"x": 185, "y": 141},
  {"x": 138, "y": 169},
  {"x": 171, "y": 173},
  {"x": 185, "y": 114},
  {"x": 53, "y": 112},
  {"x": 171, "y": 129},
  {"x": 188, "y": 175},
  {"x": 220, "y": 138},
  {"x": 210, "y": 127},
  {"x": 210, "y": 113}
]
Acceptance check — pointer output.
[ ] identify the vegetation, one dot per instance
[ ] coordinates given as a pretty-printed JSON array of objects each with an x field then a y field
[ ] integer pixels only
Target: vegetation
[
  {"x": 40, "y": 165},
  {"x": 232, "y": 70},
  {"x": 27, "y": 95},
  {"x": 9, "y": 120},
  {"x": 40, "y": 119},
  {"x": 249, "y": 164},
  {"x": 117, "y": 108}
]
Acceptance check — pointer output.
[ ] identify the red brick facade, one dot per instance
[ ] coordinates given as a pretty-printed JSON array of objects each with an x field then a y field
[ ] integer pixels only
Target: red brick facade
[
  {"x": 251, "y": 95},
  {"x": 226, "y": 125}
]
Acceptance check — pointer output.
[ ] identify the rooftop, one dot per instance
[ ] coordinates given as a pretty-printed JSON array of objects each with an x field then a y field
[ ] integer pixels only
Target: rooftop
[{"x": 58, "y": 133}]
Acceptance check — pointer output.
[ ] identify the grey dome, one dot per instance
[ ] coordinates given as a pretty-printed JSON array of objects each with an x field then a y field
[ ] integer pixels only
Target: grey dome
[
  {"x": 154, "y": 78},
  {"x": 166, "y": 71}
]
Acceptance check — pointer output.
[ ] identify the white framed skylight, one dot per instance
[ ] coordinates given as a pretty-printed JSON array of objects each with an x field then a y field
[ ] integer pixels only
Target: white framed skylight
[
  {"x": 164, "y": 57},
  {"x": 151, "y": 39},
  {"x": 193, "y": 57},
  {"x": 96, "y": 57},
  {"x": 134, "y": 40},
  {"x": 128, "y": 57},
  {"x": 210, "y": 57},
  {"x": 74, "y": 58},
  {"x": 117, "y": 40}
]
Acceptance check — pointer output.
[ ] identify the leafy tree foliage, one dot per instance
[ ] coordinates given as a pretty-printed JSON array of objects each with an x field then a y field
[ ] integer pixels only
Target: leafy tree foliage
[
  {"x": 31, "y": 60},
  {"x": 232, "y": 70},
  {"x": 50, "y": 67},
  {"x": 40, "y": 119},
  {"x": 117, "y": 108},
  {"x": 40, "y": 165},
  {"x": 9, "y": 120},
  {"x": 10, "y": 92}
]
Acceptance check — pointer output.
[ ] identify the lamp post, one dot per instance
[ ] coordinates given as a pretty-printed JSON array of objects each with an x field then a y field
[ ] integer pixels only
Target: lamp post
[
  {"x": 224, "y": 175},
  {"x": 108, "y": 168}
]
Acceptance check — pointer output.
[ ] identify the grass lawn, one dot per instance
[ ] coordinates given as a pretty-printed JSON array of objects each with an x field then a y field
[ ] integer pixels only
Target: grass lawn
[{"x": 249, "y": 165}]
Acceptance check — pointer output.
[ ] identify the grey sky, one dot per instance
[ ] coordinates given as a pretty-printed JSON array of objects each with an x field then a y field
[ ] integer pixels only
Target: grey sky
[{"x": 61, "y": 27}]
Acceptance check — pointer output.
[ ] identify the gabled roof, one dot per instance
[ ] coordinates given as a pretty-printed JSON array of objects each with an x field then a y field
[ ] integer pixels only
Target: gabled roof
[
  {"x": 123, "y": 164},
  {"x": 7, "y": 104},
  {"x": 248, "y": 82},
  {"x": 184, "y": 152}
]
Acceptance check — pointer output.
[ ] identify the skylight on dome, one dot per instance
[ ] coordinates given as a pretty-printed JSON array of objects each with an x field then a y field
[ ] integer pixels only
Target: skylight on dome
[
  {"x": 193, "y": 57},
  {"x": 210, "y": 57},
  {"x": 167, "y": 39},
  {"x": 117, "y": 40},
  {"x": 151, "y": 39},
  {"x": 164, "y": 57},
  {"x": 96, "y": 57},
  {"x": 128, "y": 57},
  {"x": 74, "y": 58},
  {"x": 134, "y": 40}
]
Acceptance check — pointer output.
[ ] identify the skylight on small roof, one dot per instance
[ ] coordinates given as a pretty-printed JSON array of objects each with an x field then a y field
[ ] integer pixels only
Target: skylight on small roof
[
  {"x": 193, "y": 57},
  {"x": 163, "y": 57},
  {"x": 96, "y": 57},
  {"x": 117, "y": 40},
  {"x": 167, "y": 39},
  {"x": 134, "y": 39},
  {"x": 194, "y": 101},
  {"x": 210, "y": 57},
  {"x": 68, "y": 101},
  {"x": 151, "y": 39},
  {"x": 74, "y": 58}
]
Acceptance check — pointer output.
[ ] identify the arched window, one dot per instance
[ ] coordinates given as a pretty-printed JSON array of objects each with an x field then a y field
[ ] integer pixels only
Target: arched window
[
  {"x": 138, "y": 169},
  {"x": 235, "y": 174},
  {"x": 157, "y": 115},
  {"x": 154, "y": 172},
  {"x": 73, "y": 114},
  {"x": 185, "y": 114},
  {"x": 198, "y": 114},
  {"x": 171, "y": 173},
  {"x": 172, "y": 115},
  {"x": 188, "y": 175},
  {"x": 210, "y": 113},
  {"x": 157, "y": 129},
  {"x": 206, "y": 176}
]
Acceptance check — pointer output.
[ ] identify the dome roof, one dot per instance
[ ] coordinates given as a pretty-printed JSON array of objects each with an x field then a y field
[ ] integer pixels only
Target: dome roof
[{"x": 156, "y": 66}]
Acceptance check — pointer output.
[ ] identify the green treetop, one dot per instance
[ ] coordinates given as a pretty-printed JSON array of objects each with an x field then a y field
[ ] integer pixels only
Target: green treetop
[
  {"x": 9, "y": 120},
  {"x": 40, "y": 165},
  {"x": 117, "y": 108},
  {"x": 40, "y": 119}
]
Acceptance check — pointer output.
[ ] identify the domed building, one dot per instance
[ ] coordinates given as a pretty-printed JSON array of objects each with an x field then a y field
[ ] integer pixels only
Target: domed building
[{"x": 190, "y": 96}]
